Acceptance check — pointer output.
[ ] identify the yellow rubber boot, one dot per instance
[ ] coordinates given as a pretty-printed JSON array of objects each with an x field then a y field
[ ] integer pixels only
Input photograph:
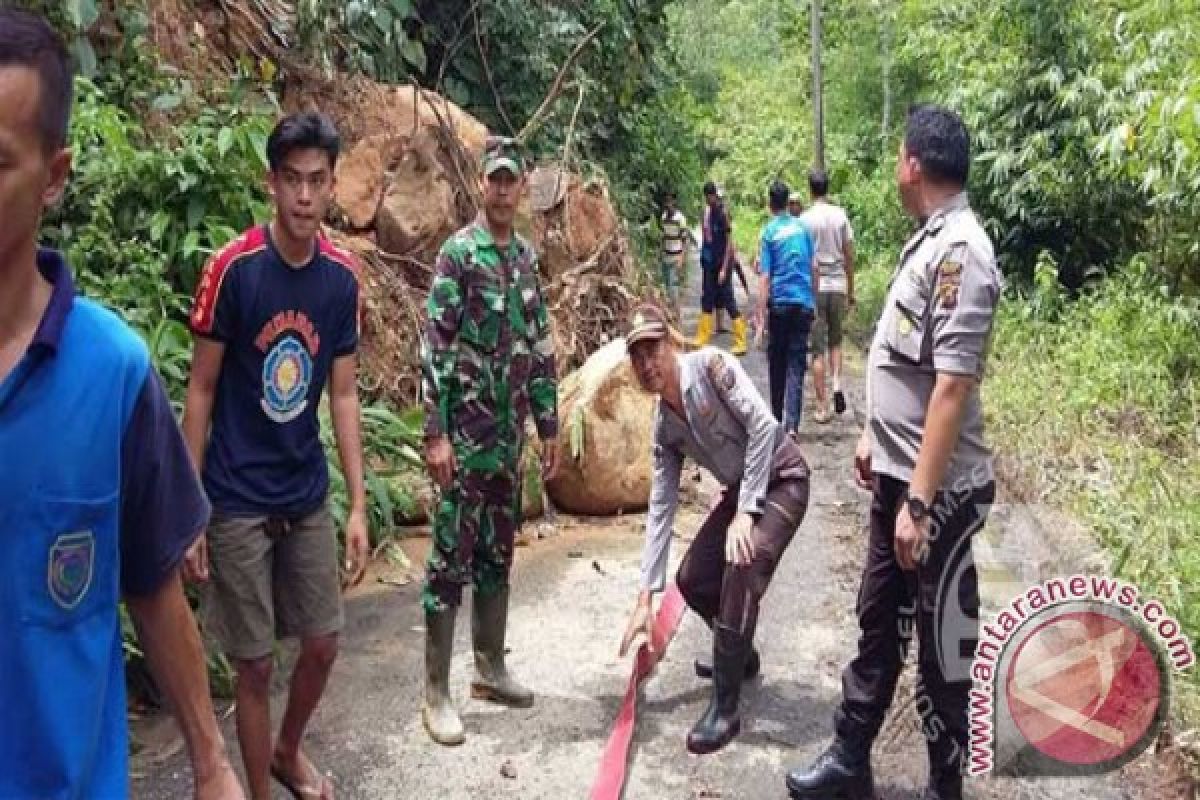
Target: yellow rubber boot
[
  {"x": 704, "y": 330},
  {"x": 739, "y": 337}
]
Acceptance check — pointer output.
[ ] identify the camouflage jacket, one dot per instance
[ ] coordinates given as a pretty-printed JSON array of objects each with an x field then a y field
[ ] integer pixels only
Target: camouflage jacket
[{"x": 487, "y": 356}]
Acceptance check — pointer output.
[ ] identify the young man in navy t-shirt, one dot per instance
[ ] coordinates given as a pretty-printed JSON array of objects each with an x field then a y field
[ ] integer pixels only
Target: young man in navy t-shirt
[
  {"x": 275, "y": 319},
  {"x": 98, "y": 498}
]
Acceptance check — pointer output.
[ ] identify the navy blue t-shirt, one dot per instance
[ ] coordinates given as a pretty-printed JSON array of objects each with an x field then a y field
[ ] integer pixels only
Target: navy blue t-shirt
[
  {"x": 282, "y": 327},
  {"x": 716, "y": 230},
  {"x": 98, "y": 498}
]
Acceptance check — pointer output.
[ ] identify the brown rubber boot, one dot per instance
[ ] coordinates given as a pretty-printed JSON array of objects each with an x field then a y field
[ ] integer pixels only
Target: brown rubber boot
[
  {"x": 489, "y": 619},
  {"x": 439, "y": 715}
]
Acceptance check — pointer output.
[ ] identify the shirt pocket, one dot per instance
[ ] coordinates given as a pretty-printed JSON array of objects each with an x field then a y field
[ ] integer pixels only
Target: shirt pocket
[
  {"x": 909, "y": 320},
  {"x": 484, "y": 315},
  {"x": 67, "y": 571}
]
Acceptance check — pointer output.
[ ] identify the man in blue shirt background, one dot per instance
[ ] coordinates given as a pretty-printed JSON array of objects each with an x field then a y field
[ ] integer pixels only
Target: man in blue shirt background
[
  {"x": 98, "y": 498},
  {"x": 788, "y": 288}
]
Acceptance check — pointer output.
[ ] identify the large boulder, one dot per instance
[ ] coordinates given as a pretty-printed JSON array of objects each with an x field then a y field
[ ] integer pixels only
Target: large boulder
[
  {"x": 360, "y": 179},
  {"x": 418, "y": 210},
  {"x": 606, "y": 437}
]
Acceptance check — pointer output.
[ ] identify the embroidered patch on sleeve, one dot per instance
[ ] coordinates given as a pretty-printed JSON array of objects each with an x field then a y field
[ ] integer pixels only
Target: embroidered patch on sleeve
[
  {"x": 720, "y": 373},
  {"x": 949, "y": 281}
]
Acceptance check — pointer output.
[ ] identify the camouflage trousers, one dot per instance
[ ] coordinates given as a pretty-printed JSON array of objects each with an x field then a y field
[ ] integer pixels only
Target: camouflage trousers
[{"x": 474, "y": 528}]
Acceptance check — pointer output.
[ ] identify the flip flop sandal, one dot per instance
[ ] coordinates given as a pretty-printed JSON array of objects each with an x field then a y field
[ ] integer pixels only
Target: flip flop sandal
[{"x": 304, "y": 791}]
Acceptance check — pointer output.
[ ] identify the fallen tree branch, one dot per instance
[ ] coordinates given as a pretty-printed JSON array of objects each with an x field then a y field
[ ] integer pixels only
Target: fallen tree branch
[{"x": 556, "y": 87}]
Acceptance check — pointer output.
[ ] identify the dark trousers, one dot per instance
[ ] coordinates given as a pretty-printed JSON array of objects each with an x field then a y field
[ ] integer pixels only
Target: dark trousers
[
  {"x": 730, "y": 595},
  {"x": 716, "y": 294},
  {"x": 943, "y": 597},
  {"x": 788, "y": 327}
]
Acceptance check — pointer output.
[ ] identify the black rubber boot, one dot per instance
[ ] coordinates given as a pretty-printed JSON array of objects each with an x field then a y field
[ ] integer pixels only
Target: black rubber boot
[
  {"x": 704, "y": 669},
  {"x": 842, "y": 772},
  {"x": 721, "y": 723},
  {"x": 753, "y": 667}
]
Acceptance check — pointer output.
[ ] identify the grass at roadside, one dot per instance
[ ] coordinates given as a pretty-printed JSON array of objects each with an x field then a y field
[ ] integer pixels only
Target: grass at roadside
[{"x": 1093, "y": 405}]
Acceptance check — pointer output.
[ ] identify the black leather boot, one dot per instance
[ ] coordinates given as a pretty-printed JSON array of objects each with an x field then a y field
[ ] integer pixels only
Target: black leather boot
[
  {"x": 721, "y": 722},
  {"x": 842, "y": 772}
]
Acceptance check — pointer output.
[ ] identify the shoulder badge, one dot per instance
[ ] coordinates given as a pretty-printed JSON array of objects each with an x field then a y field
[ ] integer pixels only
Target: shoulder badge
[
  {"x": 720, "y": 373},
  {"x": 949, "y": 281}
]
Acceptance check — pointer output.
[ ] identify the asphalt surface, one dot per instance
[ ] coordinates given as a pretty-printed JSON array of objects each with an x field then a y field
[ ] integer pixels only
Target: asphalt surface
[{"x": 572, "y": 594}]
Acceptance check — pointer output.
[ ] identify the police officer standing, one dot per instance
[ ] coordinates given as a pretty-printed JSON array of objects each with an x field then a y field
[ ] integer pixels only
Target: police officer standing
[
  {"x": 487, "y": 363},
  {"x": 923, "y": 455}
]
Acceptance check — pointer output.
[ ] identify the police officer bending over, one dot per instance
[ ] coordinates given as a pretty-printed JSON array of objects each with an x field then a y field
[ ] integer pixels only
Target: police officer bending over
[
  {"x": 923, "y": 456},
  {"x": 710, "y": 411}
]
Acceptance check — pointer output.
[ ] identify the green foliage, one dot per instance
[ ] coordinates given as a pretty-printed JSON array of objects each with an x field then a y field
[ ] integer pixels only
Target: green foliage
[
  {"x": 381, "y": 38},
  {"x": 141, "y": 216},
  {"x": 1096, "y": 404},
  {"x": 392, "y": 466}
]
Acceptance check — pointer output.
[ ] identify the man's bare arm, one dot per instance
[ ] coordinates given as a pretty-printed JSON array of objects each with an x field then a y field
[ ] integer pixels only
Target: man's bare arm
[
  {"x": 207, "y": 355},
  {"x": 168, "y": 636}
]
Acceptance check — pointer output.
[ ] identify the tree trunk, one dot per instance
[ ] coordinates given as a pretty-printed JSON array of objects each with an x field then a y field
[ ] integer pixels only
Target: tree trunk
[{"x": 818, "y": 90}]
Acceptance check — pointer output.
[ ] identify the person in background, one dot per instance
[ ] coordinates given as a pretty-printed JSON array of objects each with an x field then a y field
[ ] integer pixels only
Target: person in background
[
  {"x": 795, "y": 205},
  {"x": 716, "y": 261},
  {"x": 99, "y": 499},
  {"x": 673, "y": 259},
  {"x": 709, "y": 411},
  {"x": 923, "y": 456},
  {"x": 275, "y": 321},
  {"x": 835, "y": 262},
  {"x": 788, "y": 286}
]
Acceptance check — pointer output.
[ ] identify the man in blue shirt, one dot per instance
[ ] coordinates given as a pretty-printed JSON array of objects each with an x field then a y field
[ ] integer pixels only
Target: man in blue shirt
[
  {"x": 788, "y": 288},
  {"x": 275, "y": 320},
  {"x": 98, "y": 498}
]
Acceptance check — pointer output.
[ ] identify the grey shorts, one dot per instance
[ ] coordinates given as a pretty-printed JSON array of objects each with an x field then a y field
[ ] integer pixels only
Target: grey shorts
[
  {"x": 831, "y": 316},
  {"x": 271, "y": 578}
]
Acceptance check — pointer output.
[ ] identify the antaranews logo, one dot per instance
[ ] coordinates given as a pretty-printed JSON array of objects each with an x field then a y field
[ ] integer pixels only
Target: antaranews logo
[{"x": 1072, "y": 678}]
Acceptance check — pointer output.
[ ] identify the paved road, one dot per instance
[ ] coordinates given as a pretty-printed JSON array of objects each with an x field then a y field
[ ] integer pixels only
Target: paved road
[{"x": 572, "y": 594}]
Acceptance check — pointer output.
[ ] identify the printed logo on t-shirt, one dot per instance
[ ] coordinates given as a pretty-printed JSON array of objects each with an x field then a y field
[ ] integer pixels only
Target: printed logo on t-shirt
[
  {"x": 288, "y": 368},
  {"x": 69, "y": 573}
]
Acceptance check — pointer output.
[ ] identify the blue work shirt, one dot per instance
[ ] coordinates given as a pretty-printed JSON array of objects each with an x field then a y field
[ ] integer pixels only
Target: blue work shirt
[
  {"x": 97, "y": 497},
  {"x": 787, "y": 250},
  {"x": 282, "y": 328}
]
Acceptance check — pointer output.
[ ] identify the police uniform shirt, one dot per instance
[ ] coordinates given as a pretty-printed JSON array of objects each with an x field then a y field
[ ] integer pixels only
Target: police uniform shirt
[
  {"x": 937, "y": 318},
  {"x": 728, "y": 430},
  {"x": 98, "y": 498}
]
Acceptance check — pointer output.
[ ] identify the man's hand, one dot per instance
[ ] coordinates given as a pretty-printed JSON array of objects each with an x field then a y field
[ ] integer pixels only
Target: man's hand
[
  {"x": 220, "y": 784},
  {"x": 640, "y": 621},
  {"x": 550, "y": 459},
  {"x": 862, "y": 461},
  {"x": 722, "y": 276},
  {"x": 912, "y": 539},
  {"x": 195, "y": 562},
  {"x": 739, "y": 542},
  {"x": 357, "y": 546},
  {"x": 439, "y": 460}
]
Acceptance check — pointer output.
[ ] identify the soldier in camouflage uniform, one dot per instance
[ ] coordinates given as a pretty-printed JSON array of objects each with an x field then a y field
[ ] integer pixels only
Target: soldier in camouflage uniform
[{"x": 487, "y": 363}]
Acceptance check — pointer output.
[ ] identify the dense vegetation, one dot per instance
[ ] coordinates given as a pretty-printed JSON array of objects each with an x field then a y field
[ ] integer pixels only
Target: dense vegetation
[
  {"x": 1086, "y": 127},
  {"x": 1086, "y": 124}
]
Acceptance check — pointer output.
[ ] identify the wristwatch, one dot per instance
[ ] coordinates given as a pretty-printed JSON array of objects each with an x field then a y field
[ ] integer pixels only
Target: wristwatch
[{"x": 916, "y": 508}]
